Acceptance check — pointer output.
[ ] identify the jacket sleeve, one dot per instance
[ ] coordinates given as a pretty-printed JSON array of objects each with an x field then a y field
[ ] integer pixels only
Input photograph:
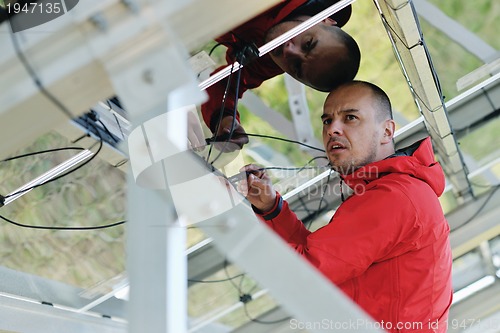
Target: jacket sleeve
[
  {"x": 252, "y": 76},
  {"x": 365, "y": 229}
]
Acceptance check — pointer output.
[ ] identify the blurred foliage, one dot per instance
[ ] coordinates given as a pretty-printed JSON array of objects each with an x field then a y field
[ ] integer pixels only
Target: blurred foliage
[{"x": 479, "y": 16}]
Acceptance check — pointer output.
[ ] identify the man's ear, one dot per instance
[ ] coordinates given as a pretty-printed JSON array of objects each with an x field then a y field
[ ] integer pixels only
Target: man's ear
[
  {"x": 389, "y": 129},
  {"x": 330, "y": 21}
]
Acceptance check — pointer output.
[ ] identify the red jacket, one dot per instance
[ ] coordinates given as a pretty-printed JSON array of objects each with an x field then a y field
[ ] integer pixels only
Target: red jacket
[
  {"x": 387, "y": 245},
  {"x": 256, "y": 72}
]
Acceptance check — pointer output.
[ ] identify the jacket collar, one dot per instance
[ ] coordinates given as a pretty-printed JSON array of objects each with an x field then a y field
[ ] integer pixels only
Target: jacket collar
[{"x": 416, "y": 160}]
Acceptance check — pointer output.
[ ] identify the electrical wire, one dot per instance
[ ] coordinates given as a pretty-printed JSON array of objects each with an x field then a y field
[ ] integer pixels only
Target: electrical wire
[
  {"x": 221, "y": 112},
  {"x": 479, "y": 210},
  {"x": 34, "y": 76},
  {"x": 79, "y": 228},
  {"x": 41, "y": 152},
  {"x": 67, "y": 172},
  {"x": 213, "y": 49},
  {"x": 235, "y": 108},
  {"x": 285, "y": 140},
  {"x": 216, "y": 281},
  {"x": 226, "y": 262},
  {"x": 321, "y": 200},
  {"x": 119, "y": 126},
  {"x": 246, "y": 297},
  {"x": 24, "y": 61},
  {"x": 56, "y": 102},
  {"x": 107, "y": 130},
  {"x": 264, "y": 322},
  {"x": 216, "y": 139}
]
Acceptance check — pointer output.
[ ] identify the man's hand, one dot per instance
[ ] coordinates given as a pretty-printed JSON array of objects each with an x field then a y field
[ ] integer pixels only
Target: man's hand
[
  {"x": 258, "y": 188},
  {"x": 238, "y": 138}
]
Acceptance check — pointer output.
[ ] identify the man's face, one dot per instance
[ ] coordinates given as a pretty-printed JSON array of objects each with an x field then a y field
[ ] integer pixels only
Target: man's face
[
  {"x": 352, "y": 134},
  {"x": 309, "y": 56}
]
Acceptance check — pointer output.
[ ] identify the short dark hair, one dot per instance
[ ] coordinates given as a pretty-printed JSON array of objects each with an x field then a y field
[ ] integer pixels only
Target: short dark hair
[
  {"x": 383, "y": 103},
  {"x": 347, "y": 65}
]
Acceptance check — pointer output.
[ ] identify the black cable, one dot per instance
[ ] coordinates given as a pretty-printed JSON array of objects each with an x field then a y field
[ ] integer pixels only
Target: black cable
[
  {"x": 490, "y": 195},
  {"x": 81, "y": 137},
  {"x": 221, "y": 111},
  {"x": 224, "y": 138},
  {"x": 67, "y": 172},
  {"x": 266, "y": 322},
  {"x": 41, "y": 152},
  {"x": 229, "y": 278},
  {"x": 235, "y": 108},
  {"x": 35, "y": 77},
  {"x": 286, "y": 140},
  {"x": 116, "y": 118},
  {"x": 290, "y": 168},
  {"x": 247, "y": 297},
  {"x": 321, "y": 199},
  {"x": 62, "y": 228},
  {"x": 312, "y": 160},
  {"x": 119, "y": 126},
  {"x": 213, "y": 48},
  {"x": 107, "y": 131},
  {"x": 216, "y": 281}
]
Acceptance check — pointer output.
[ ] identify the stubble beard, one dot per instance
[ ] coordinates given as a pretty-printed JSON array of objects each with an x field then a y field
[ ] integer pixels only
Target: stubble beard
[{"x": 352, "y": 164}]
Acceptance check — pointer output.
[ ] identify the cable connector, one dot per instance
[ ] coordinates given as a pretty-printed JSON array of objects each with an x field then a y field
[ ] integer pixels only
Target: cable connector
[
  {"x": 248, "y": 53},
  {"x": 245, "y": 298},
  {"x": 2, "y": 200},
  {"x": 93, "y": 115}
]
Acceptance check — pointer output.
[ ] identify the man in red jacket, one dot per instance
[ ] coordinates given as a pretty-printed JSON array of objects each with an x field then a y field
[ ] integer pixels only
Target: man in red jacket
[
  {"x": 321, "y": 57},
  {"x": 387, "y": 245}
]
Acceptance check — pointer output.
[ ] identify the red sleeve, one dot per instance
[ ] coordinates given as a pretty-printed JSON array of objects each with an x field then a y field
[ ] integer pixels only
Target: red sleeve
[
  {"x": 252, "y": 75},
  {"x": 361, "y": 233}
]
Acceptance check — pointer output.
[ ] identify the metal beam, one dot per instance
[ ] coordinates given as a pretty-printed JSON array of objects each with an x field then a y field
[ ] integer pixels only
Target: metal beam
[
  {"x": 401, "y": 24},
  {"x": 474, "y": 222},
  {"x": 40, "y": 290},
  {"x": 203, "y": 262},
  {"x": 474, "y": 310},
  {"x": 455, "y": 31},
  {"x": 300, "y": 110},
  {"x": 18, "y": 315},
  {"x": 72, "y": 67}
]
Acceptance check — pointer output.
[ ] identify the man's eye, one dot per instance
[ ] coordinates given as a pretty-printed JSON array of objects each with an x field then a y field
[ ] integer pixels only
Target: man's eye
[
  {"x": 277, "y": 52},
  {"x": 327, "y": 121},
  {"x": 309, "y": 45},
  {"x": 350, "y": 117}
]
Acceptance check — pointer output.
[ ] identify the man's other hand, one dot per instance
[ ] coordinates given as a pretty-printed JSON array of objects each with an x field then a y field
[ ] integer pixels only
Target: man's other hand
[
  {"x": 258, "y": 188},
  {"x": 238, "y": 138}
]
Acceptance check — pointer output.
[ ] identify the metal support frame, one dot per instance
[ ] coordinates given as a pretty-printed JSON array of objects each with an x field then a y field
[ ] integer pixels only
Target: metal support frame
[
  {"x": 455, "y": 31},
  {"x": 68, "y": 54},
  {"x": 20, "y": 315},
  {"x": 299, "y": 110},
  {"x": 402, "y": 27},
  {"x": 127, "y": 58}
]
